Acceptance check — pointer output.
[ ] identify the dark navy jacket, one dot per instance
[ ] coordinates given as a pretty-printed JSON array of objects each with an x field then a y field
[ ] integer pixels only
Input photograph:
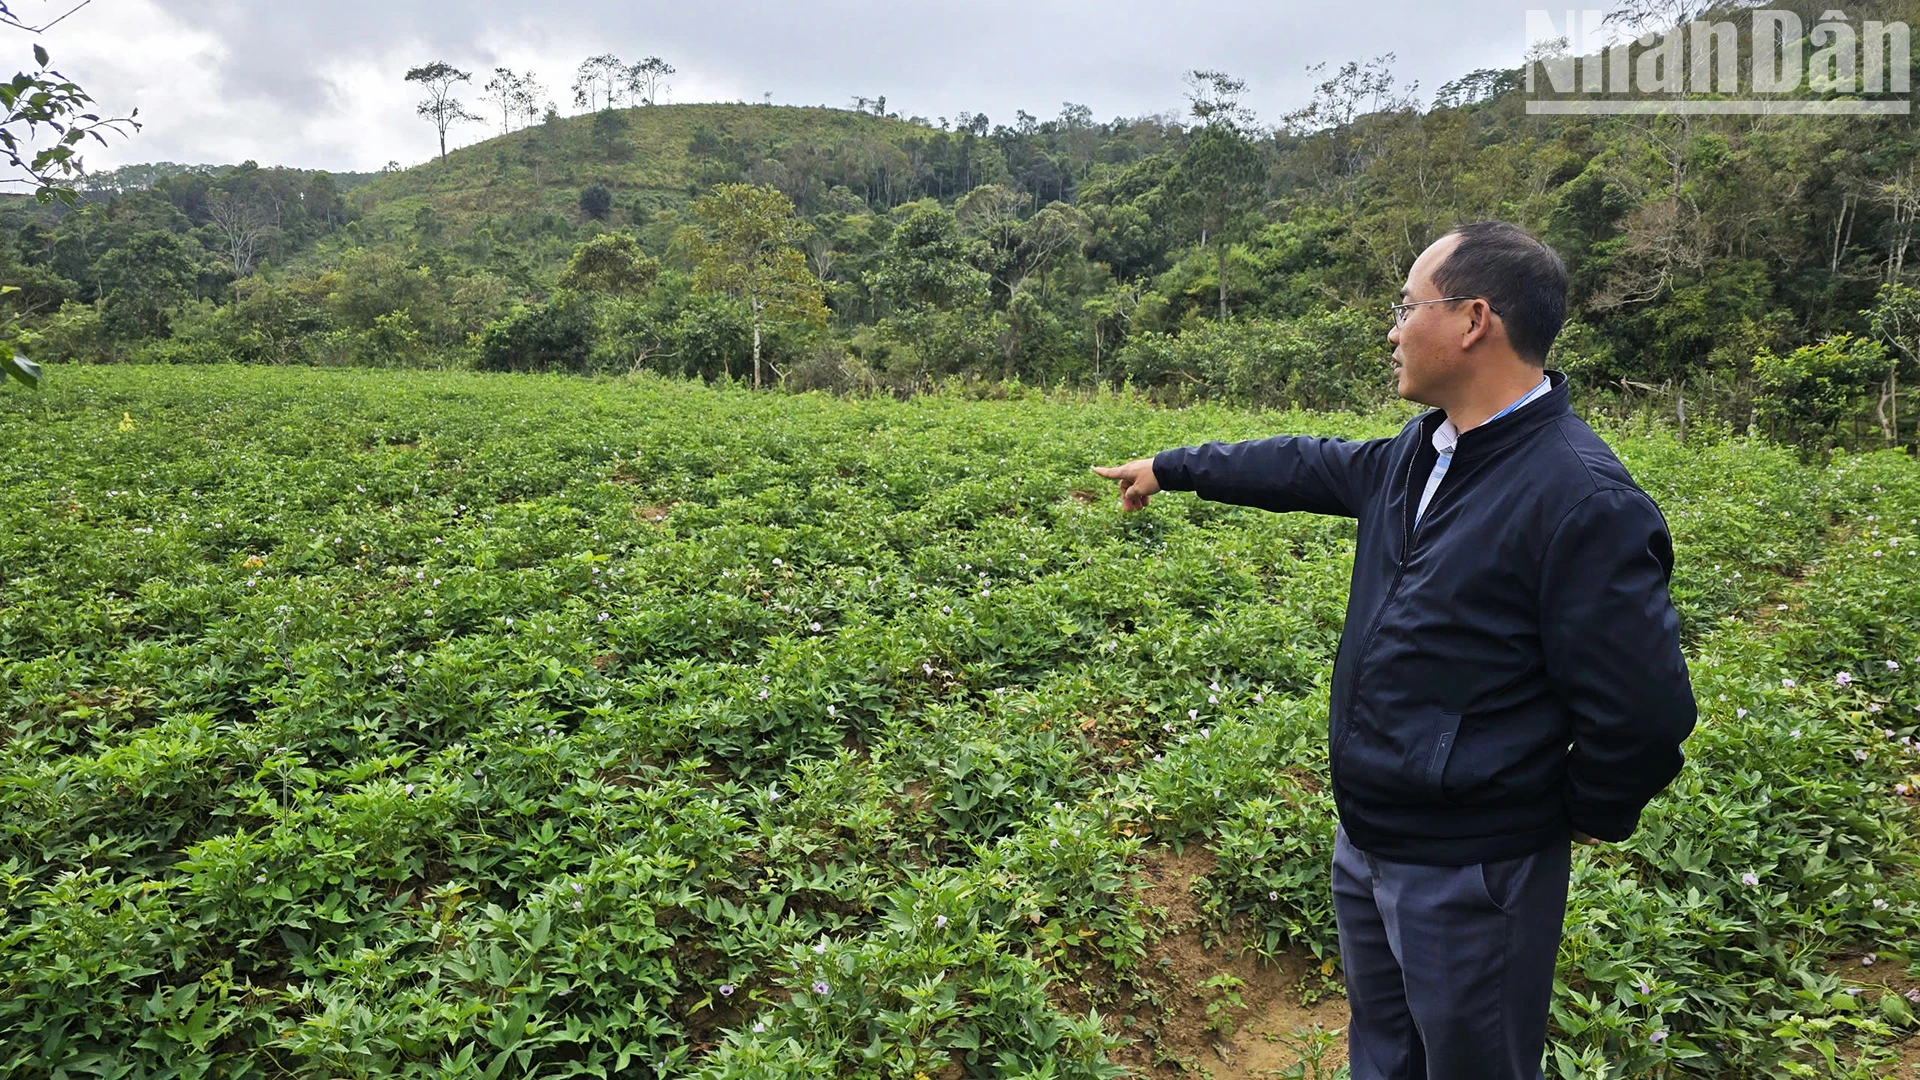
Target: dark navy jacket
[{"x": 1511, "y": 669}]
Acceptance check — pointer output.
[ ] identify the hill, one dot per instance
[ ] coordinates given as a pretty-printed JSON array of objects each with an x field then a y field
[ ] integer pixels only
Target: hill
[{"x": 659, "y": 157}]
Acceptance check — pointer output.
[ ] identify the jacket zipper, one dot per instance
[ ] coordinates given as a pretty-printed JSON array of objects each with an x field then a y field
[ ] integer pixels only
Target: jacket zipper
[{"x": 1366, "y": 644}]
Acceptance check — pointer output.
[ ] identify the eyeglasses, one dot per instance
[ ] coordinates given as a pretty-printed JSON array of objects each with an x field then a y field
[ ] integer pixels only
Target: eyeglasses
[{"x": 1400, "y": 310}]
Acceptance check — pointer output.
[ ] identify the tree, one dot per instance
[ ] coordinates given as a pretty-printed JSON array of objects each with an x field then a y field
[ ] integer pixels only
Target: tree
[
  {"x": 245, "y": 224},
  {"x": 1213, "y": 97},
  {"x": 531, "y": 102},
  {"x": 1895, "y": 319},
  {"x": 597, "y": 79},
  {"x": 142, "y": 282},
  {"x": 749, "y": 249},
  {"x": 32, "y": 100},
  {"x": 441, "y": 107},
  {"x": 645, "y": 80},
  {"x": 1219, "y": 180},
  {"x": 611, "y": 263},
  {"x": 609, "y": 130},
  {"x": 44, "y": 98},
  {"x": 513, "y": 94},
  {"x": 596, "y": 202}
]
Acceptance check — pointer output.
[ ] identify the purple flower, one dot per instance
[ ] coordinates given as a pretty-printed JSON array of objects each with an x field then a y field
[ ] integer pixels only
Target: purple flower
[
  {"x": 820, "y": 986},
  {"x": 1867, "y": 960},
  {"x": 1893, "y": 665},
  {"x": 1843, "y": 679},
  {"x": 1901, "y": 789},
  {"x": 1913, "y": 996},
  {"x": 1273, "y": 896},
  {"x": 1860, "y": 754},
  {"x": 1656, "y": 1036},
  {"x": 1740, "y": 713},
  {"x": 1646, "y": 987},
  {"x": 1787, "y": 683},
  {"x": 1749, "y": 878},
  {"x": 759, "y": 1026},
  {"x": 939, "y": 922},
  {"x": 726, "y": 989}
]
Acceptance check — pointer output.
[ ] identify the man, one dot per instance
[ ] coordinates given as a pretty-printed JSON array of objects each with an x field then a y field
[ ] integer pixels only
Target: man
[{"x": 1510, "y": 676}]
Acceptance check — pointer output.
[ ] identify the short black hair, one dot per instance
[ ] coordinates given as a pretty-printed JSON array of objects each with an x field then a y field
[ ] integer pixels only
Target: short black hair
[{"x": 1516, "y": 273}]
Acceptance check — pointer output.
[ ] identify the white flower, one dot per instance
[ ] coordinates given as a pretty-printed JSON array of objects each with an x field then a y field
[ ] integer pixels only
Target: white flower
[
  {"x": 1214, "y": 686},
  {"x": 1212, "y": 700},
  {"x": 1193, "y": 714},
  {"x": 763, "y": 693},
  {"x": 1843, "y": 679},
  {"x": 1893, "y": 665},
  {"x": 1787, "y": 683},
  {"x": 820, "y": 948},
  {"x": 777, "y": 562},
  {"x": 829, "y": 710},
  {"x": 815, "y": 627},
  {"x": 1741, "y": 713},
  {"x": 429, "y": 613},
  {"x": 409, "y": 789},
  {"x": 1259, "y": 699}
]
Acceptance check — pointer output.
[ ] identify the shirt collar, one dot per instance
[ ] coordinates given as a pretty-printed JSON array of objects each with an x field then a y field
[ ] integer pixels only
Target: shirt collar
[{"x": 1446, "y": 436}]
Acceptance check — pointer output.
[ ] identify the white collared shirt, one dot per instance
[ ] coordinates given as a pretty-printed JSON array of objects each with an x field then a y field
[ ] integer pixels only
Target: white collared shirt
[{"x": 1446, "y": 437}]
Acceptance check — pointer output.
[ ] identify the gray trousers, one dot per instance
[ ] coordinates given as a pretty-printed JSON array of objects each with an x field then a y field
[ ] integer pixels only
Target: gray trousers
[{"x": 1448, "y": 968}]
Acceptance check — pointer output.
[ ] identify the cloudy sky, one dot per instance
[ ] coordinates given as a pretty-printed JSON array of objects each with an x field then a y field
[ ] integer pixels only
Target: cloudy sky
[{"x": 312, "y": 84}]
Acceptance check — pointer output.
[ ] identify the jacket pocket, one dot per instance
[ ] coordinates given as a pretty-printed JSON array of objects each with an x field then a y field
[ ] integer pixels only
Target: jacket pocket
[{"x": 1447, "y": 731}]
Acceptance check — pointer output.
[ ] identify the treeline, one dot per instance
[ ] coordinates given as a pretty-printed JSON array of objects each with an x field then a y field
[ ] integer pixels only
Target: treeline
[{"x": 1737, "y": 271}]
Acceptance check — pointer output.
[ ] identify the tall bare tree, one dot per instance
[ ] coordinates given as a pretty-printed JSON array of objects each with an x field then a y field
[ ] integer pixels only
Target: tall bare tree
[
  {"x": 441, "y": 107},
  {"x": 245, "y": 224},
  {"x": 598, "y": 78},
  {"x": 645, "y": 80},
  {"x": 507, "y": 91}
]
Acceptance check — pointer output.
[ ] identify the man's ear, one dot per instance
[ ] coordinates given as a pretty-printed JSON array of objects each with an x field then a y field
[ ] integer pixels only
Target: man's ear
[{"x": 1479, "y": 325}]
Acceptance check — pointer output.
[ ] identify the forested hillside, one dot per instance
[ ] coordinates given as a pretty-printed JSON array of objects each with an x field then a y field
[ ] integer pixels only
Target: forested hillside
[{"x": 1741, "y": 270}]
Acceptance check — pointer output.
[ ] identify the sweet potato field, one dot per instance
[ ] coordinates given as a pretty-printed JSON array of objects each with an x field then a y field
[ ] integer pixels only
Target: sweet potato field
[{"x": 379, "y": 724}]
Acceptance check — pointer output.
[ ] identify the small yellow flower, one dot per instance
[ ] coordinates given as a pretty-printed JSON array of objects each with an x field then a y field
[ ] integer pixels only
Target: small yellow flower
[
  {"x": 255, "y": 560},
  {"x": 126, "y": 421}
]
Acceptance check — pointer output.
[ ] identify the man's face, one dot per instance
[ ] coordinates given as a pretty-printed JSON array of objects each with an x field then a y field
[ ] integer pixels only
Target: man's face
[{"x": 1426, "y": 347}]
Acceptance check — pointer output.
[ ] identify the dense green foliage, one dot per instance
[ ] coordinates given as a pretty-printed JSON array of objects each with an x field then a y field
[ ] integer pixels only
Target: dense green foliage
[
  {"x": 379, "y": 724},
  {"x": 1206, "y": 256}
]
